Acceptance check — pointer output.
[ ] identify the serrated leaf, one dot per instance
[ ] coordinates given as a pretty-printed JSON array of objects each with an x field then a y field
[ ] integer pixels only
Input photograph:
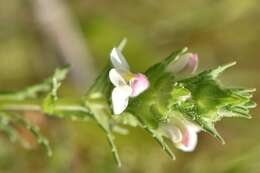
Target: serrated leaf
[
  {"x": 101, "y": 116},
  {"x": 155, "y": 72},
  {"x": 211, "y": 102},
  {"x": 48, "y": 105},
  {"x": 20, "y": 120},
  {"x": 33, "y": 91},
  {"x": 159, "y": 138},
  {"x": 102, "y": 84},
  {"x": 153, "y": 104},
  {"x": 7, "y": 129},
  {"x": 95, "y": 100}
]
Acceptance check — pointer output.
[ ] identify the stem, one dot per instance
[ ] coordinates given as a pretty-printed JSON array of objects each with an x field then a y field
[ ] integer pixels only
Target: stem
[{"x": 64, "y": 105}]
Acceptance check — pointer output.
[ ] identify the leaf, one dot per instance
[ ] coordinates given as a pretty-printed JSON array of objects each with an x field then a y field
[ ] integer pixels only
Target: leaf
[
  {"x": 96, "y": 101},
  {"x": 153, "y": 104},
  {"x": 159, "y": 138},
  {"x": 7, "y": 129},
  {"x": 211, "y": 102},
  {"x": 8, "y": 117},
  {"x": 101, "y": 112},
  {"x": 152, "y": 107},
  {"x": 35, "y": 131},
  {"x": 157, "y": 70},
  {"x": 33, "y": 91},
  {"x": 102, "y": 84},
  {"x": 200, "y": 99},
  {"x": 48, "y": 105},
  {"x": 75, "y": 111}
]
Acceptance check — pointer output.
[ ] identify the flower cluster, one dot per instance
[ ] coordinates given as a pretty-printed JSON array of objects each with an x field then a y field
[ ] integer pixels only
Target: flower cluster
[{"x": 181, "y": 132}]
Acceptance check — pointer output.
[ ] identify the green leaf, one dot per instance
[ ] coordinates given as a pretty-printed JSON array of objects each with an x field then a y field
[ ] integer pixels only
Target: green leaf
[
  {"x": 35, "y": 131},
  {"x": 157, "y": 70},
  {"x": 96, "y": 101},
  {"x": 49, "y": 101},
  {"x": 152, "y": 107},
  {"x": 200, "y": 99},
  {"x": 211, "y": 102},
  {"x": 33, "y": 91},
  {"x": 6, "y": 118},
  {"x": 7, "y": 129},
  {"x": 101, "y": 114},
  {"x": 101, "y": 85},
  {"x": 159, "y": 138}
]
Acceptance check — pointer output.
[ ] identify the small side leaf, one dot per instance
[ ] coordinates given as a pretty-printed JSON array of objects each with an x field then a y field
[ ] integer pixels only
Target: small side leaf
[
  {"x": 101, "y": 114},
  {"x": 33, "y": 91},
  {"x": 159, "y": 138},
  {"x": 7, "y": 129},
  {"x": 18, "y": 119},
  {"x": 154, "y": 72},
  {"x": 49, "y": 101}
]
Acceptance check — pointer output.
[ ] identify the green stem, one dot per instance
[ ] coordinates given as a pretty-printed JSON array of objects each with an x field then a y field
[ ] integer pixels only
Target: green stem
[{"x": 64, "y": 105}]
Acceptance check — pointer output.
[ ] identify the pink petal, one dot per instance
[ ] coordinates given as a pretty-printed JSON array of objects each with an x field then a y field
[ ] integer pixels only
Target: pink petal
[
  {"x": 182, "y": 133},
  {"x": 189, "y": 138},
  {"x": 193, "y": 62},
  {"x": 139, "y": 84}
]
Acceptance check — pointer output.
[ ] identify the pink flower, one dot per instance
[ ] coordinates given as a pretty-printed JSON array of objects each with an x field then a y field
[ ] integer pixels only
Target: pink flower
[{"x": 182, "y": 133}]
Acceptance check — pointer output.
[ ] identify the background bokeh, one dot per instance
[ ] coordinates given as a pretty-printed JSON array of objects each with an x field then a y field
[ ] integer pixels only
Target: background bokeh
[{"x": 36, "y": 36}]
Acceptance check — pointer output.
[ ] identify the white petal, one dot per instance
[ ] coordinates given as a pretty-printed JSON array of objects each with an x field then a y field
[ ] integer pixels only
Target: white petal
[
  {"x": 118, "y": 60},
  {"x": 116, "y": 78},
  {"x": 120, "y": 97},
  {"x": 189, "y": 139}
]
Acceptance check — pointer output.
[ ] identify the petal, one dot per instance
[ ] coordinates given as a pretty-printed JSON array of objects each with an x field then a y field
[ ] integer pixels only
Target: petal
[
  {"x": 187, "y": 64},
  {"x": 189, "y": 138},
  {"x": 120, "y": 97},
  {"x": 116, "y": 78},
  {"x": 139, "y": 84},
  {"x": 118, "y": 60}
]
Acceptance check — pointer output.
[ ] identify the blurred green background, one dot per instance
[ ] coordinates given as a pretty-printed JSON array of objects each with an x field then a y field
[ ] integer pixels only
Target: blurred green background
[{"x": 36, "y": 36}]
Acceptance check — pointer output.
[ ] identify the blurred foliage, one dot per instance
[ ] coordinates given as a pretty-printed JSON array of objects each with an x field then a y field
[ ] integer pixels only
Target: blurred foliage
[{"x": 220, "y": 31}]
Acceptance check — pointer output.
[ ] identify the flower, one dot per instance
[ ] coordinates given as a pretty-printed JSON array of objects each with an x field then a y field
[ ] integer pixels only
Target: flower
[
  {"x": 127, "y": 84},
  {"x": 183, "y": 133}
]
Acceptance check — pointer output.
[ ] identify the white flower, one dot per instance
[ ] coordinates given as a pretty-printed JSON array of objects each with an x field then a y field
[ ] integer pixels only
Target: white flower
[
  {"x": 182, "y": 133},
  {"x": 127, "y": 84}
]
